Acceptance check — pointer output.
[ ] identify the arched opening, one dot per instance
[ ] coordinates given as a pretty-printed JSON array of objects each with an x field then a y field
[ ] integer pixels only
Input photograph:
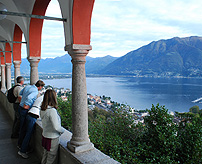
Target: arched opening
[
  {"x": 53, "y": 41},
  {"x": 35, "y": 29}
]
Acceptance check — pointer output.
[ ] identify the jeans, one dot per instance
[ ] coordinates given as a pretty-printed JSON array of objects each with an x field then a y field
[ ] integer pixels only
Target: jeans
[
  {"x": 23, "y": 113},
  {"x": 16, "y": 123},
  {"x": 30, "y": 122}
]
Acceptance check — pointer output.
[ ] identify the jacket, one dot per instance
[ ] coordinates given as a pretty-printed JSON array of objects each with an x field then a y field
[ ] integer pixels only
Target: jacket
[
  {"x": 51, "y": 123},
  {"x": 16, "y": 92},
  {"x": 36, "y": 106},
  {"x": 29, "y": 95}
]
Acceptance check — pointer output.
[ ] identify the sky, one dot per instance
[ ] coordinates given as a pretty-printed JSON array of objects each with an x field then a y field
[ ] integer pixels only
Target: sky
[{"x": 120, "y": 26}]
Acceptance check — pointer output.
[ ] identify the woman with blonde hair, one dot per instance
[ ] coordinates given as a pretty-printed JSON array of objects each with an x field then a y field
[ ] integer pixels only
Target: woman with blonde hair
[{"x": 52, "y": 129}]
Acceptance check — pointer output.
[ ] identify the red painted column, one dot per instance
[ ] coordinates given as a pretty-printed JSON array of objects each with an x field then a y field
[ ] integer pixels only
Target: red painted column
[
  {"x": 17, "y": 46},
  {"x": 17, "y": 51},
  {"x": 81, "y": 21}
]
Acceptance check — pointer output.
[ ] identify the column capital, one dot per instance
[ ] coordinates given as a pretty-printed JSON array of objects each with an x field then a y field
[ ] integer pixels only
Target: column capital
[
  {"x": 73, "y": 47},
  {"x": 78, "y": 52},
  {"x": 8, "y": 64},
  {"x": 33, "y": 58},
  {"x": 34, "y": 61},
  {"x": 17, "y": 62}
]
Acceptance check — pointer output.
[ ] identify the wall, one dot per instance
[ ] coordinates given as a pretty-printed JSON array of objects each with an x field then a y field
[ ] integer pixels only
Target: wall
[{"x": 65, "y": 156}]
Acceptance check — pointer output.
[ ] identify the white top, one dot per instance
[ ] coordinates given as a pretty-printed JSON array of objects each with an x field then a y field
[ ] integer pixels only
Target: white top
[
  {"x": 51, "y": 123},
  {"x": 16, "y": 92},
  {"x": 36, "y": 106}
]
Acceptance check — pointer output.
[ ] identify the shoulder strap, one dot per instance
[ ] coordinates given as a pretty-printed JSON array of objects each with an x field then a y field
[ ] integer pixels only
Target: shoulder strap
[{"x": 16, "y": 85}]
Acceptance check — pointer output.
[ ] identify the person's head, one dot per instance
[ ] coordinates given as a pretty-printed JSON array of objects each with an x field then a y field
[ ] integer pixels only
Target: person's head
[
  {"x": 49, "y": 99},
  {"x": 39, "y": 84},
  {"x": 20, "y": 80}
]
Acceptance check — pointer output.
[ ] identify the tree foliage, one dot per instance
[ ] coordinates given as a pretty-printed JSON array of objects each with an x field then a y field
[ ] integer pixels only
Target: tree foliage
[
  {"x": 158, "y": 140},
  {"x": 65, "y": 112},
  {"x": 194, "y": 109}
]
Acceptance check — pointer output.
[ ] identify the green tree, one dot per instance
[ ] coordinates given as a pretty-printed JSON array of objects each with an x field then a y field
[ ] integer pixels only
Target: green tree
[
  {"x": 158, "y": 142},
  {"x": 194, "y": 109},
  {"x": 189, "y": 138},
  {"x": 65, "y": 111},
  {"x": 114, "y": 134}
]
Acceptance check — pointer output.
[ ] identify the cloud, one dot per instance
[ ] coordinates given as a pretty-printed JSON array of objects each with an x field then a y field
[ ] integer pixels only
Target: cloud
[
  {"x": 120, "y": 26},
  {"x": 132, "y": 24}
]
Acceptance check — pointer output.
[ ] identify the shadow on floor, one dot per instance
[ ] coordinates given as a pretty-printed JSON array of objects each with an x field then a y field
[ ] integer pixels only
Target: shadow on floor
[{"x": 8, "y": 146}]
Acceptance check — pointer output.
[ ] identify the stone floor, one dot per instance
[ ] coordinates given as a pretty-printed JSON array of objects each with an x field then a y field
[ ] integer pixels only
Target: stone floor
[{"x": 8, "y": 146}]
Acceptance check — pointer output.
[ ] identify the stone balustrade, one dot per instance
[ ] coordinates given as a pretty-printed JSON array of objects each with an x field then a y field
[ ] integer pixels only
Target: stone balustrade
[{"x": 93, "y": 156}]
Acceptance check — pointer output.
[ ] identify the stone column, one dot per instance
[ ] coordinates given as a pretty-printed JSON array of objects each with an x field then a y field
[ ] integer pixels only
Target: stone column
[
  {"x": 34, "y": 77},
  {"x": 80, "y": 139},
  {"x": 0, "y": 73},
  {"x": 3, "y": 79},
  {"x": 8, "y": 75},
  {"x": 17, "y": 69}
]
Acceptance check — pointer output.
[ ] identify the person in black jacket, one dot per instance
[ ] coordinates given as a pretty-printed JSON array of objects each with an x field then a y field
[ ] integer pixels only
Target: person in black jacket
[{"x": 16, "y": 93}]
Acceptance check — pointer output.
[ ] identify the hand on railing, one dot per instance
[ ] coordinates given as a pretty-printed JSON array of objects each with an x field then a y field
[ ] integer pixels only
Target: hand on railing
[{"x": 26, "y": 106}]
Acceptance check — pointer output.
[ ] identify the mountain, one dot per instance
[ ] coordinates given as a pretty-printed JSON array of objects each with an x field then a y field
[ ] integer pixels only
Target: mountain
[
  {"x": 171, "y": 57},
  {"x": 63, "y": 64},
  {"x": 94, "y": 65}
]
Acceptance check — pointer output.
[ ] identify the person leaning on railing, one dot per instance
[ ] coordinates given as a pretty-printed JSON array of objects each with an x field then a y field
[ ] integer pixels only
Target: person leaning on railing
[
  {"x": 29, "y": 95},
  {"x": 16, "y": 93}
]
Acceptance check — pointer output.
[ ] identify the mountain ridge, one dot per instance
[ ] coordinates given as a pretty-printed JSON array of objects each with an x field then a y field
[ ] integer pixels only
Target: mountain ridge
[
  {"x": 166, "y": 57},
  {"x": 63, "y": 64}
]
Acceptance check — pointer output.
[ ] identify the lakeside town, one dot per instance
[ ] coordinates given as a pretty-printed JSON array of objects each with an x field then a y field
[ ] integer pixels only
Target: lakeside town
[
  {"x": 107, "y": 104},
  {"x": 50, "y": 76}
]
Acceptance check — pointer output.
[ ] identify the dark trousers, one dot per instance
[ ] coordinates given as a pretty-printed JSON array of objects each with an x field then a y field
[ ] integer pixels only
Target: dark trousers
[
  {"x": 23, "y": 113},
  {"x": 29, "y": 126},
  {"x": 16, "y": 123}
]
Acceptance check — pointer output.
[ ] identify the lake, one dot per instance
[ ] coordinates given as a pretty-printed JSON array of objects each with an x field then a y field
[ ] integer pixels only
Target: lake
[{"x": 141, "y": 93}]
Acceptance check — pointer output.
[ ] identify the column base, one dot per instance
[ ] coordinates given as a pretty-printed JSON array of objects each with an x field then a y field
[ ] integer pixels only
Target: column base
[
  {"x": 80, "y": 148},
  {"x": 3, "y": 90}
]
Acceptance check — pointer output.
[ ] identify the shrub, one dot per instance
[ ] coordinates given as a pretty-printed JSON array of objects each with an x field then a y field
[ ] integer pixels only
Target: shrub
[
  {"x": 65, "y": 112},
  {"x": 158, "y": 142},
  {"x": 190, "y": 140}
]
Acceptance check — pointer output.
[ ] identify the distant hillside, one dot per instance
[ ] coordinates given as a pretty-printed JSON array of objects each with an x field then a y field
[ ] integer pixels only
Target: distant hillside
[
  {"x": 172, "y": 57},
  {"x": 63, "y": 64},
  {"x": 94, "y": 65}
]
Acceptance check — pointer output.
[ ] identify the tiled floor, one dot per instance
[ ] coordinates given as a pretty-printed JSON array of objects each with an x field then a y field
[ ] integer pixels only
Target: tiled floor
[{"x": 8, "y": 146}]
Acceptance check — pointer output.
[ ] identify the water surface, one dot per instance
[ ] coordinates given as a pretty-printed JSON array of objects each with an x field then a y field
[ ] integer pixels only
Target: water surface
[{"x": 140, "y": 93}]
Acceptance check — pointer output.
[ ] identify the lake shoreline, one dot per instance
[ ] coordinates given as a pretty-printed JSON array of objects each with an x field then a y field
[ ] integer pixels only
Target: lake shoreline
[
  {"x": 68, "y": 75},
  {"x": 176, "y": 94}
]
